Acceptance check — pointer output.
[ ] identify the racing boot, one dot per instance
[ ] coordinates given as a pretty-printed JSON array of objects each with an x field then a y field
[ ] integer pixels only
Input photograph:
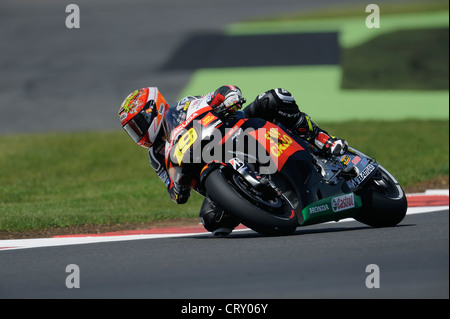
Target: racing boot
[{"x": 215, "y": 220}]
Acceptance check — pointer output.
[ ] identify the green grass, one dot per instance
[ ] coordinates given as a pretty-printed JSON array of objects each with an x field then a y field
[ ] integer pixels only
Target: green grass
[
  {"x": 58, "y": 180},
  {"x": 317, "y": 90},
  {"x": 413, "y": 151},
  {"x": 402, "y": 60}
]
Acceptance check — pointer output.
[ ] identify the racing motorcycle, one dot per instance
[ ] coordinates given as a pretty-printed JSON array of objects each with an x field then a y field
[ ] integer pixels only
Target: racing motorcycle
[{"x": 273, "y": 181}]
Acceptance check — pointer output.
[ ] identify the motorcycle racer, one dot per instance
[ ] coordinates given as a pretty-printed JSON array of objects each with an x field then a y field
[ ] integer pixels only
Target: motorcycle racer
[{"x": 145, "y": 115}]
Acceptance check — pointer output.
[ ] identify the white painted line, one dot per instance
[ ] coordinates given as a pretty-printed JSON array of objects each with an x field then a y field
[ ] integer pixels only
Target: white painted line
[
  {"x": 421, "y": 210},
  {"x": 10, "y": 244},
  {"x": 442, "y": 192},
  {"x": 437, "y": 192}
]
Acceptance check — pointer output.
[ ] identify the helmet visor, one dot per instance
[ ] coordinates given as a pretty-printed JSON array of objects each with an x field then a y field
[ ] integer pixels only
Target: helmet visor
[{"x": 138, "y": 126}]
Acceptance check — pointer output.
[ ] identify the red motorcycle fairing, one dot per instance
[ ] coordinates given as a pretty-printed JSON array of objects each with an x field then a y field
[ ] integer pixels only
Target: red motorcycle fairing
[
  {"x": 278, "y": 143},
  {"x": 188, "y": 150}
]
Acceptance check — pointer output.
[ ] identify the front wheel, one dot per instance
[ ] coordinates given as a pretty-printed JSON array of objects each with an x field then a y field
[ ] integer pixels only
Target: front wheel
[
  {"x": 384, "y": 201},
  {"x": 266, "y": 214}
]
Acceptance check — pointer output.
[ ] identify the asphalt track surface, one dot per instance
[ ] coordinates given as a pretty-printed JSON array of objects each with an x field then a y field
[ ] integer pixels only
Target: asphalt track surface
[
  {"x": 321, "y": 261},
  {"x": 57, "y": 79}
]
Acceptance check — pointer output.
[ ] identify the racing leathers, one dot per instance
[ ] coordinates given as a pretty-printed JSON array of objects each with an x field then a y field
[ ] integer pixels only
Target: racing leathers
[{"x": 276, "y": 106}]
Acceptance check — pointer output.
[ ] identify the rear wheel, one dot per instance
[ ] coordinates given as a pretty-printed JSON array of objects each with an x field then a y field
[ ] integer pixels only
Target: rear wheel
[
  {"x": 262, "y": 209},
  {"x": 384, "y": 201}
]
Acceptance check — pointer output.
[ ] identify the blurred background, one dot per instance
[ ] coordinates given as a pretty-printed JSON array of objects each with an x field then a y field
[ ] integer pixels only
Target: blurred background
[
  {"x": 67, "y": 86},
  {"x": 53, "y": 78}
]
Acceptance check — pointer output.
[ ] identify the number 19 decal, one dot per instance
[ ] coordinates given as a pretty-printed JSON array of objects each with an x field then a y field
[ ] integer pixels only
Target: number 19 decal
[{"x": 184, "y": 144}]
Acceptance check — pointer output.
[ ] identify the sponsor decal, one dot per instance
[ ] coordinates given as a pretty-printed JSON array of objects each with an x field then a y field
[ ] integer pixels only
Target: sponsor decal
[
  {"x": 236, "y": 163},
  {"x": 208, "y": 119},
  {"x": 278, "y": 142},
  {"x": 345, "y": 159},
  {"x": 318, "y": 209},
  {"x": 356, "y": 160},
  {"x": 362, "y": 176},
  {"x": 343, "y": 202}
]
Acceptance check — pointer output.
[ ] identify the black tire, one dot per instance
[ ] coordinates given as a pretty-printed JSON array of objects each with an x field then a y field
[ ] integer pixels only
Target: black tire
[
  {"x": 222, "y": 188},
  {"x": 384, "y": 202}
]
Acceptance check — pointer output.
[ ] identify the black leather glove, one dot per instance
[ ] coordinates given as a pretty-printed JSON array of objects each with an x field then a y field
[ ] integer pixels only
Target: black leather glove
[{"x": 179, "y": 194}]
